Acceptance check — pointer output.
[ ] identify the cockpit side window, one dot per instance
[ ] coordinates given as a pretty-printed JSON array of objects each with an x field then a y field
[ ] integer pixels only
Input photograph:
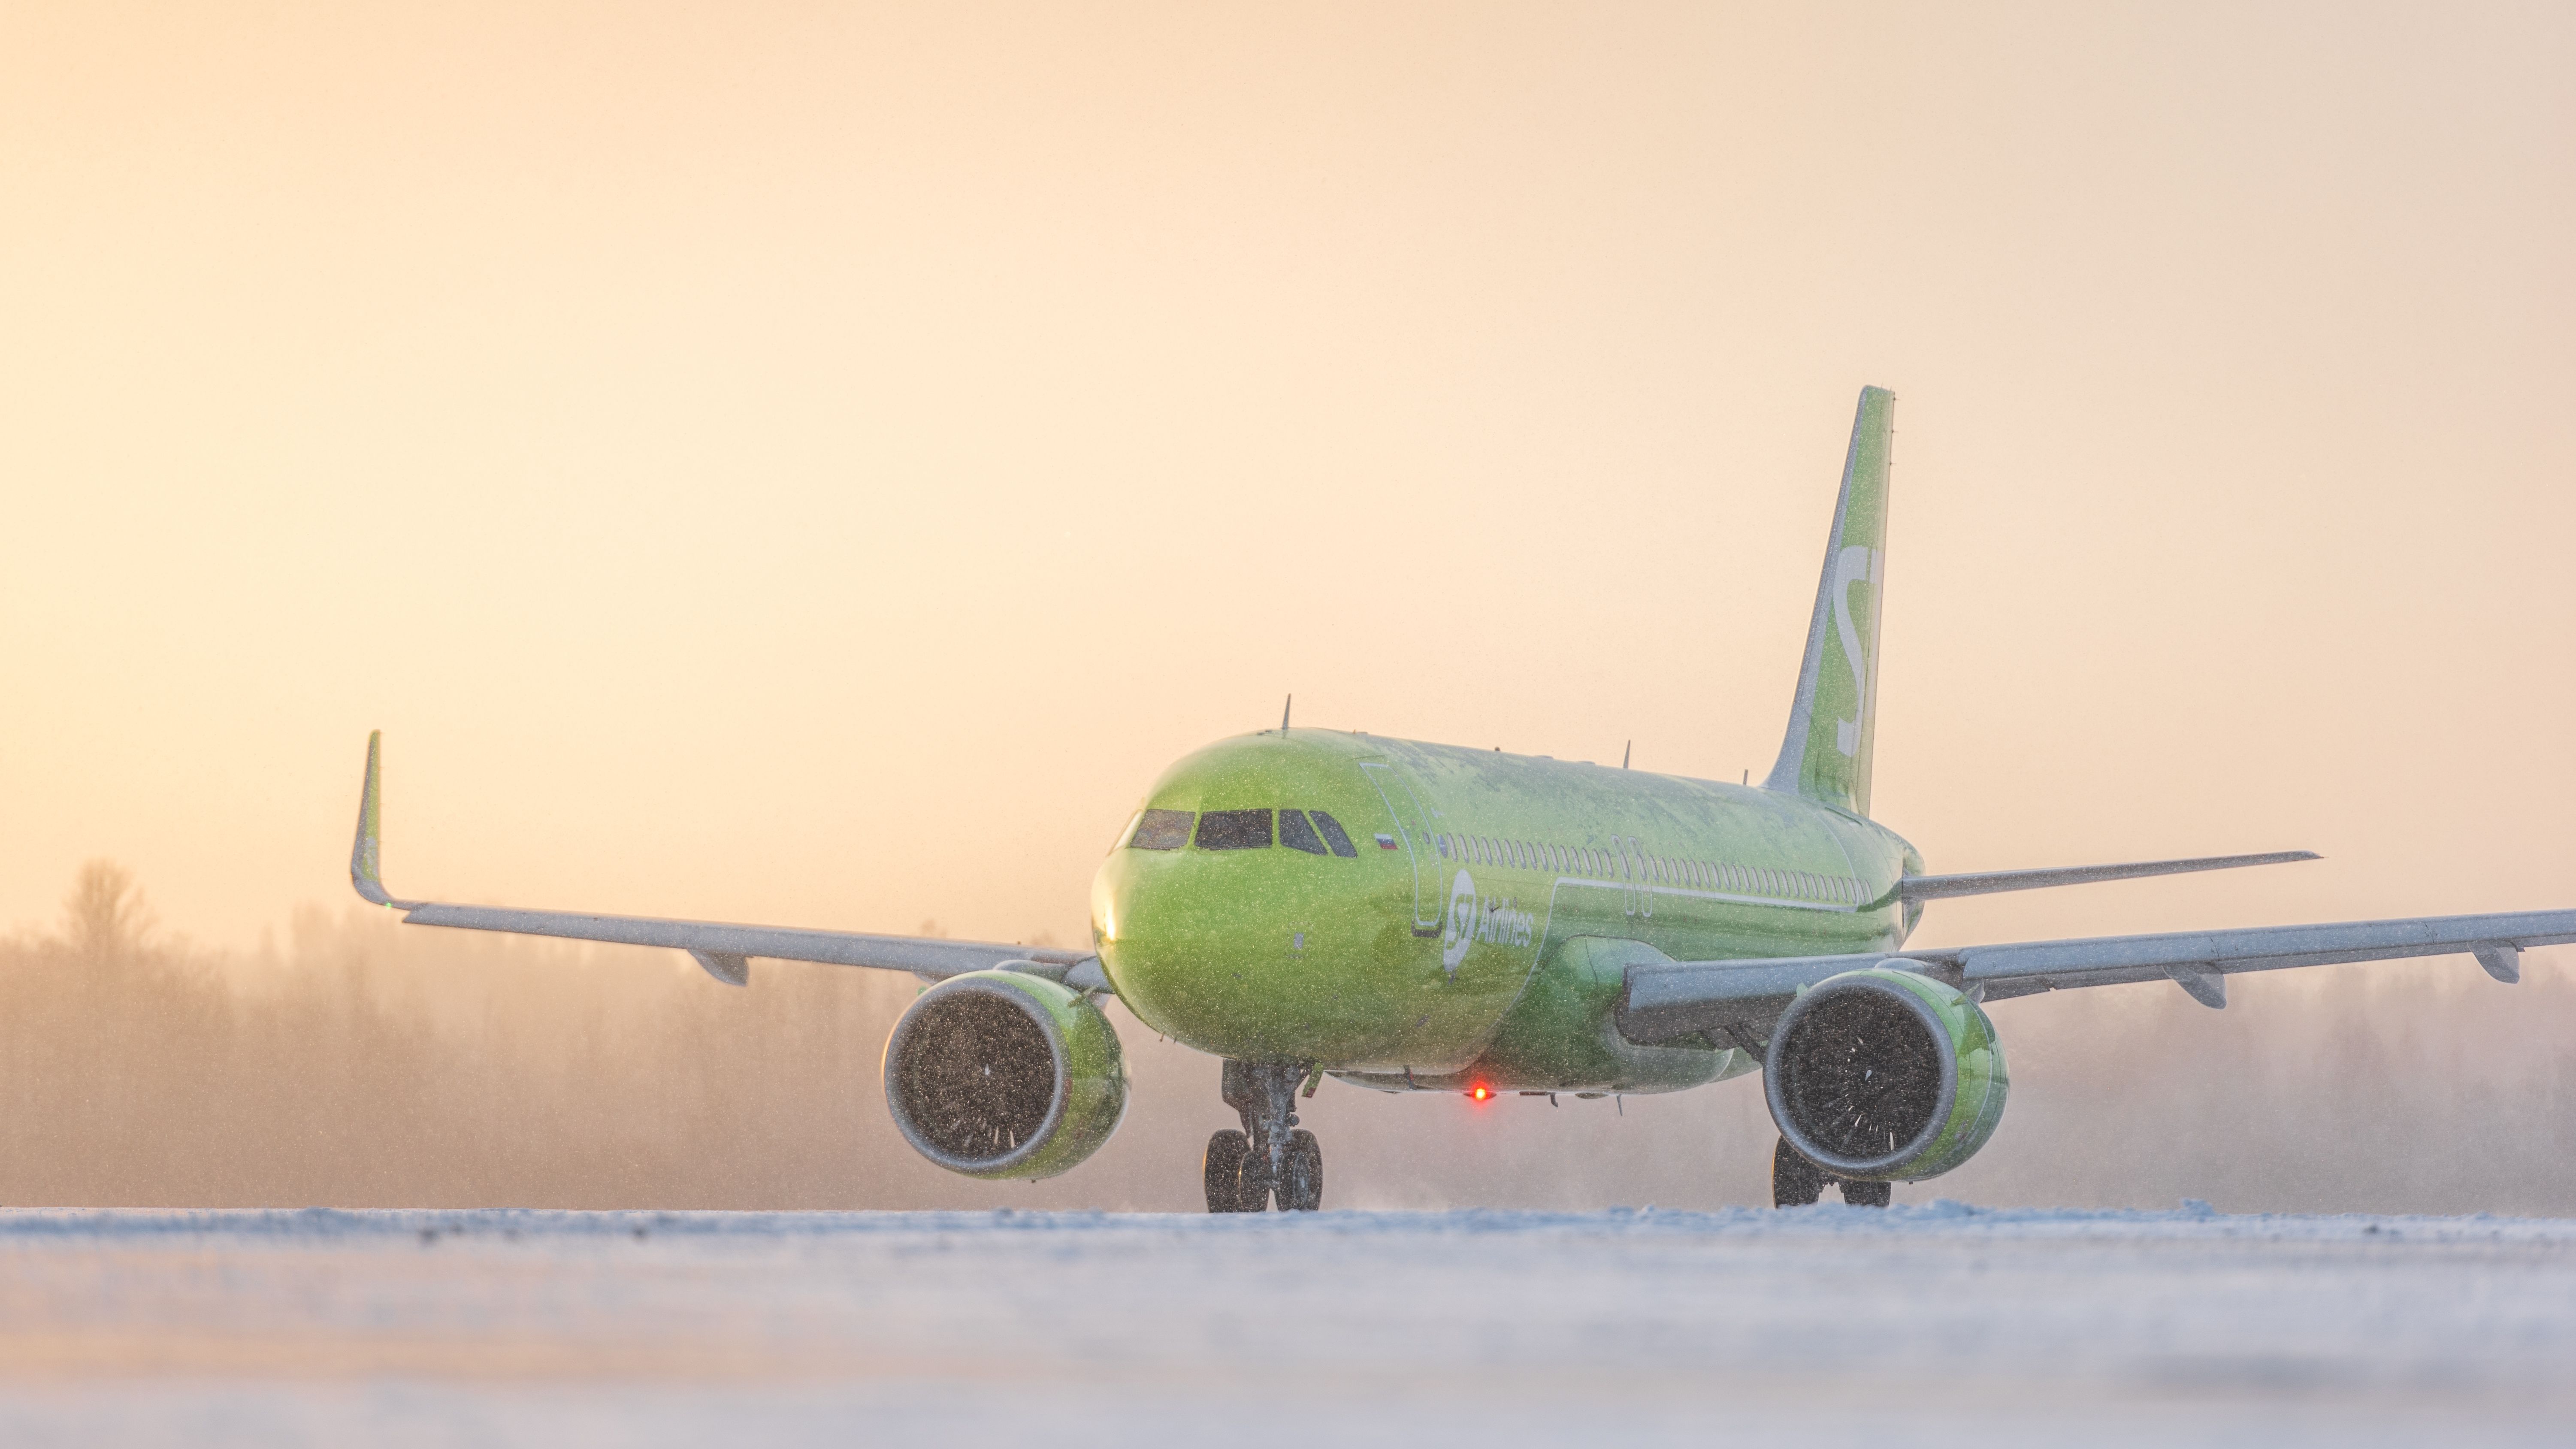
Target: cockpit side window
[
  {"x": 1234, "y": 830},
  {"x": 1161, "y": 830},
  {"x": 1334, "y": 835},
  {"x": 1296, "y": 834}
]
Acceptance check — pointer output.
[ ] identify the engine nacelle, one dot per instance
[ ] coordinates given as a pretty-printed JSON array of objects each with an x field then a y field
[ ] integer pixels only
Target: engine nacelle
[
  {"x": 1885, "y": 1075},
  {"x": 1001, "y": 1074}
]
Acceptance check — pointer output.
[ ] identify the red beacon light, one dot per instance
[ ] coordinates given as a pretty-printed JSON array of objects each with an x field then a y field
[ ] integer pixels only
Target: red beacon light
[{"x": 1481, "y": 1092}]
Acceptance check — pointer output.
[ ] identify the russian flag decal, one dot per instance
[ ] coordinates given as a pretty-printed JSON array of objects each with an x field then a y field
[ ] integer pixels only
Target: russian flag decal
[{"x": 1386, "y": 842}]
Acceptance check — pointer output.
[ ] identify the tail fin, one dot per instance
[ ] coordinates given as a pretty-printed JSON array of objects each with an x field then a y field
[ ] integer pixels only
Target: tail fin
[{"x": 1826, "y": 754}]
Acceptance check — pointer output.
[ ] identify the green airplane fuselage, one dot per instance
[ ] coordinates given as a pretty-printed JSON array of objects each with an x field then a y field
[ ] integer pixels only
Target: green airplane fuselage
[{"x": 1478, "y": 930}]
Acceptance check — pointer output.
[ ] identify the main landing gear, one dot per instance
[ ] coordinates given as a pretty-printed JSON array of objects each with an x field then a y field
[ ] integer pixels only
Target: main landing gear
[
  {"x": 1796, "y": 1182},
  {"x": 1270, "y": 1157}
]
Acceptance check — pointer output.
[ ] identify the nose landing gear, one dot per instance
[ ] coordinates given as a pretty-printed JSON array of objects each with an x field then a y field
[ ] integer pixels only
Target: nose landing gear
[{"x": 1270, "y": 1158}]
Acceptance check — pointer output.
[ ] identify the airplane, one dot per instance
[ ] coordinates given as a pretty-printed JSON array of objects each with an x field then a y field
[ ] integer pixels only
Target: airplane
[{"x": 1414, "y": 917}]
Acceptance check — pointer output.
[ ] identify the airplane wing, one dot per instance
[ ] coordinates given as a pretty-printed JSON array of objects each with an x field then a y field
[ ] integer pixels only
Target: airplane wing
[
  {"x": 1739, "y": 999},
  {"x": 1988, "y": 882},
  {"x": 724, "y": 950}
]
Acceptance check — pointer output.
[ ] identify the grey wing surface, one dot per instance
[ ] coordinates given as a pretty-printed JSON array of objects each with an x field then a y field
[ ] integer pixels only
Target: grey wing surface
[
  {"x": 1739, "y": 999},
  {"x": 725, "y": 950}
]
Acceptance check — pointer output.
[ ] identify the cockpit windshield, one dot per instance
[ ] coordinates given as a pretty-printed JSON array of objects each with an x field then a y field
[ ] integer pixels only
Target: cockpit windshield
[
  {"x": 1313, "y": 832},
  {"x": 1296, "y": 834},
  {"x": 1334, "y": 835},
  {"x": 1161, "y": 830},
  {"x": 1234, "y": 830}
]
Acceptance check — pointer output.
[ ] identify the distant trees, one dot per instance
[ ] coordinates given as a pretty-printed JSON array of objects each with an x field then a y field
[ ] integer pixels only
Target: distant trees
[
  {"x": 104, "y": 916},
  {"x": 371, "y": 1064}
]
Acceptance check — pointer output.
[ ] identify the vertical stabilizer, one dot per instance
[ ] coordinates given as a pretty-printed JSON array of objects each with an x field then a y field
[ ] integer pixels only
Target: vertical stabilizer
[{"x": 1826, "y": 754}]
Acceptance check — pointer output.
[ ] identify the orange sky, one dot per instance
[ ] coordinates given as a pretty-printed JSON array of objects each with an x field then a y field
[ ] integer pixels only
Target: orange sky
[{"x": 812, "y": 464}]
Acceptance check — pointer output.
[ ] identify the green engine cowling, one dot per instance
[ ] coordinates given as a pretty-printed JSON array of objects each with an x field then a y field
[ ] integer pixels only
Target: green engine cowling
[
  {"x": 1001, "y": 1074},
  {"x": 1885, "y": 1075}
]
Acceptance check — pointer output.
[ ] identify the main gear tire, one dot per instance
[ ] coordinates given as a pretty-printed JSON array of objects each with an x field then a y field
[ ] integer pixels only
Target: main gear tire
[
  {"x": 1795, "y": 1182},
  {"x": 1869, "y": 1194}
]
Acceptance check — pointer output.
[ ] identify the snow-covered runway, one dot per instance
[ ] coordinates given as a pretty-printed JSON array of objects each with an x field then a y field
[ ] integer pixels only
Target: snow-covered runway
[{"x": 1916, "y": 1325}]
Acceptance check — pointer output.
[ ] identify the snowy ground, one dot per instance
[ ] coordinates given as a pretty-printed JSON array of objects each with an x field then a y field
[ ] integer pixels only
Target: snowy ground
[{"x": 1929, "y": 1324}]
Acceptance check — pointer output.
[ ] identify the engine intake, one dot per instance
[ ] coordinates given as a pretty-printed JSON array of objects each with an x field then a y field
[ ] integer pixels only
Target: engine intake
[
  {"x": 1885, "y": 1075},
  {"x": 1001, "y": 1074}
]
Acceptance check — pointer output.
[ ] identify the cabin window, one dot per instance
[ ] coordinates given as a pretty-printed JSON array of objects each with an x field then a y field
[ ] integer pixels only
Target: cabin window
[
  {"x": 1334, "y": 836},
  {"x": 1161, "y": 830},
  {"x": 1442, "y": 841},
  {"x": 1296, "y": 834},
  {"x": 1234, "y": 830}
]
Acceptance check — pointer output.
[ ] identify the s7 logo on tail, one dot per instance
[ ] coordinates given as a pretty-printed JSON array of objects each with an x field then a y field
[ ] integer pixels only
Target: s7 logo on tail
[{"x": 1854, "y": 565}]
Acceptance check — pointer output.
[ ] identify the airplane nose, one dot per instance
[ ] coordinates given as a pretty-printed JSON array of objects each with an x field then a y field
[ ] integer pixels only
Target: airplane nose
[{"x": 1187, "y": 947}]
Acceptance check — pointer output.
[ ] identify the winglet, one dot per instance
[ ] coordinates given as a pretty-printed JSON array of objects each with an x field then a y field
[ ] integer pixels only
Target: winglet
[{"x": 366, "y": 855}]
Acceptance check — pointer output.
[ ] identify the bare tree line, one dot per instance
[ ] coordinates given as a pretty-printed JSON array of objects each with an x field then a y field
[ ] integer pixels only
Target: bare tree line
[{"x": 365, "y": 1064}]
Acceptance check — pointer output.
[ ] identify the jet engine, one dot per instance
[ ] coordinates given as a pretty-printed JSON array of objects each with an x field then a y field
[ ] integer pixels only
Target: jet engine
[
  {"x": 1885, "y": 1075},
  {"x": 1005, "y": 1074}
]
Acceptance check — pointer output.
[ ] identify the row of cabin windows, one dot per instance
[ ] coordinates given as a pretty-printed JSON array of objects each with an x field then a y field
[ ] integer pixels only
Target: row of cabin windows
[
  {"x": 1311, "y": 831},
  {"x": 1706, "y": 875}
]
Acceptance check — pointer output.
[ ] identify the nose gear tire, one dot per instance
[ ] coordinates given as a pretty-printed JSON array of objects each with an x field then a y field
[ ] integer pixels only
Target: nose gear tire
[
  {"x": 1303, "y": 1189},
  {"x": 1228, "y": 1191}
]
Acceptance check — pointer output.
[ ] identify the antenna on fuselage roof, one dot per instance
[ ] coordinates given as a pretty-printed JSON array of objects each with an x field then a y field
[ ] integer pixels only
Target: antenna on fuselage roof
[
  {"x": 1283, "y": 713},
  {"x": 1625, "y": 751}
]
